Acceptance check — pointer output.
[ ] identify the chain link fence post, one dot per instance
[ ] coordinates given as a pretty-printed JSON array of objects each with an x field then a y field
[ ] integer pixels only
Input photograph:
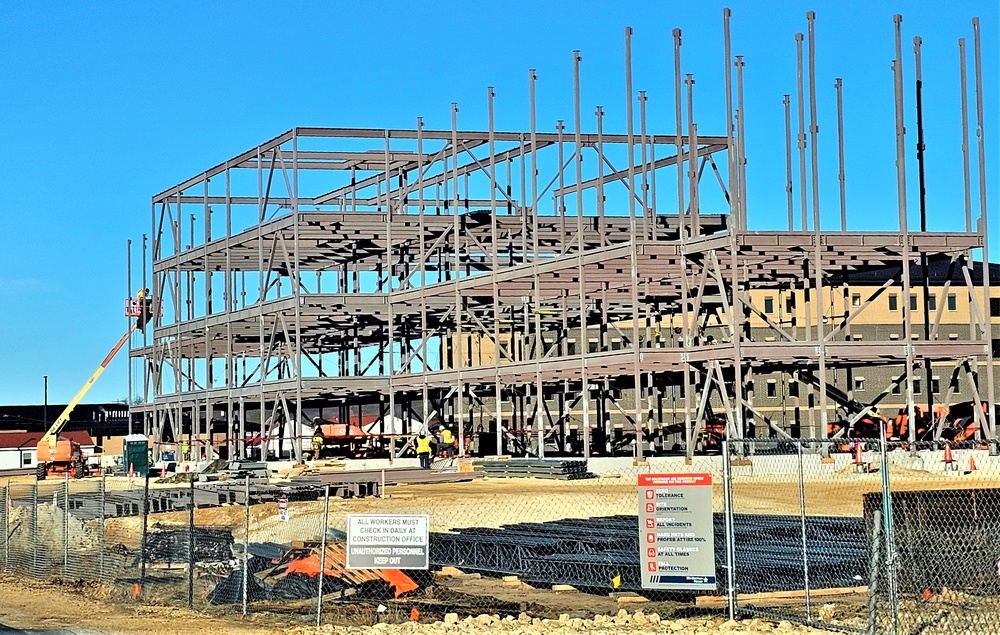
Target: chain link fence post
[
  {"x": 100, "y": 529},
  {"x": 145, "y": 533},
  {"x": 322, "y": 554},
  {"x": 190, "y": 551},
  {"x": 805, "y": 542},
  {"x": 34, "y": 529},
  {"x": 890, "y": 547},
  {"x": 874, "y": 561},
  {"x": 65, "y": 533},
  {"x": 246, "y": 544},
  {"x": 6, "y": 527},
  {"x": 727, "y": 482}
]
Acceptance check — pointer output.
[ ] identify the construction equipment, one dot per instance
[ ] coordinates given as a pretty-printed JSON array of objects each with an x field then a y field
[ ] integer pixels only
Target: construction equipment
[{"x": 57, "y": 455}]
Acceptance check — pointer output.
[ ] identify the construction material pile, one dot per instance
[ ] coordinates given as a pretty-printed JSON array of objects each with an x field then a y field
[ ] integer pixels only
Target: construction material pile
[
  {"x": 561, "y": 469},
  {"x": 280, "y": 573}
]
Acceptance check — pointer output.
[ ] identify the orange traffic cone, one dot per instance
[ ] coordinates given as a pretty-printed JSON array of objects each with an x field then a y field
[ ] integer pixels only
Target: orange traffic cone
[
  {"x": 136, "y": 590},
  {"x": 949, "y": 460},
  {"x": 859, "y": 460},
  {"x": 163, "y": 471},
  {"x": 972, "y": 463},
  {"x": 414, "y": 614},
  {"x": 131, "y": 470}
]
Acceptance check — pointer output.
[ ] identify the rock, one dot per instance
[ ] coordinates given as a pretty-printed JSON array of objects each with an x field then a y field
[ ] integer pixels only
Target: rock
[
  {"x": 564, "y": 618},
  {"x": 451, "y": 571},
  {"x": 451, "y": 618},
  {"x": 485, "y": 619},
  {"x": 524, "y": 618}
]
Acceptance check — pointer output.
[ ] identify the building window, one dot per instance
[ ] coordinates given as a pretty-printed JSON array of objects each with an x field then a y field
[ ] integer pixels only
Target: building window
[
  {"x": 952, "y": 302},
  {"x": 772, "y": 388},
  {"x": 916, "y": 386},
  {"x": 932, "y": 303},
  {"x": 571, "y": 347},
  {"x": 770, "y": 338},
  {"x": 913, "y": 301},
  {"x": 893, "y": 336},
  {"x": 996, "y": 349},
  {"x": 859, "y": 384},
  {"x": 616, "y": 344},
  {"x": 790, "y": 304},
  {"x": 896, "y": 388},
  {"x": 935, "y": 385},
  {"x": 858, "y": 337},
  {"x": 856, "y": 299},
  {"x": 25, "y": 458},
  {"x": 592, "y": 346},
  {"x": 995, "y": 307},
  {"x": 768, "y": 305},
  {"x": 793, "y": 388},
  {"x": 953, "y": 336},
  {"x": 893, "y": 302}
]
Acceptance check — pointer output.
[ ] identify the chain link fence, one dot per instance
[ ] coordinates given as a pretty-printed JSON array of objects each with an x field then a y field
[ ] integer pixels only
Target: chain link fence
[{"x": 850, "y": 535}]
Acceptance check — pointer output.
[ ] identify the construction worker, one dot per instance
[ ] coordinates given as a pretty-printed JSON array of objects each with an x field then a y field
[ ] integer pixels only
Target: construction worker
[
  {"x": 185, "y": 450},
  {"x": 317, "y": 443},
  {"x": 448, "y": 441},
  {"x": 145, "y": 308},
  {"x": 424, "y": 449}
]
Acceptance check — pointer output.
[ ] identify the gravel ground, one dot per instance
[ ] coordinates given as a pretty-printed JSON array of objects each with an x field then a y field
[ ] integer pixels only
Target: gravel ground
[{"x": 637, "y": 623}]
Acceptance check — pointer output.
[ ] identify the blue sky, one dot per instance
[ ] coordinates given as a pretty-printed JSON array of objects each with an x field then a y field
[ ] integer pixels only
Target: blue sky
[{"x": 105, "y": 104}]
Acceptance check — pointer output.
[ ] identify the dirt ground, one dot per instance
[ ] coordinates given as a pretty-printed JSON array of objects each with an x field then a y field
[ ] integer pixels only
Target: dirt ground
[{"x": 28, "y": 604}]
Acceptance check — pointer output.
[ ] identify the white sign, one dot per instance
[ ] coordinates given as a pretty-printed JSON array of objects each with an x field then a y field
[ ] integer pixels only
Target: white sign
[
  {"x": 388, "y": 541},
  {"x": 282, "y": 509}
]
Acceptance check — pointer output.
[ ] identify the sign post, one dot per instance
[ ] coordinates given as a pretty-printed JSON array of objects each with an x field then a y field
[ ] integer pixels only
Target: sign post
[
  {"x": 676, "y": 531},
  {"x": 388, "y": 541}
]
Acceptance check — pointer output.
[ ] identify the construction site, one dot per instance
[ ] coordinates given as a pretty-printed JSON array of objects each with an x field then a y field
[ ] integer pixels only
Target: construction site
[
  {"x": 559, "y": 292},
  {"x": 495, "y": 335}
]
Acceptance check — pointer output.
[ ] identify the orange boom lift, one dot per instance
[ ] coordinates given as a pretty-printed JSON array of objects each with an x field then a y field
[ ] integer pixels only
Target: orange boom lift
[{"x": 57, "y": 455}]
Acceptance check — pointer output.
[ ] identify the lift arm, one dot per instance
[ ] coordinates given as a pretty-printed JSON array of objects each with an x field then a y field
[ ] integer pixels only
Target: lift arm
[{"x": 52, "y": 435}]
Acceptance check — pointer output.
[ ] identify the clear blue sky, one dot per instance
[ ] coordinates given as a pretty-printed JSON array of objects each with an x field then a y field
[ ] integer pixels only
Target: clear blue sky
[{"x": 104, "y": 104}]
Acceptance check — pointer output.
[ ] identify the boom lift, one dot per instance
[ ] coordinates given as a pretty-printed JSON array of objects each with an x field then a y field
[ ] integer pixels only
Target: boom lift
[{"x": 57, "y": 455}]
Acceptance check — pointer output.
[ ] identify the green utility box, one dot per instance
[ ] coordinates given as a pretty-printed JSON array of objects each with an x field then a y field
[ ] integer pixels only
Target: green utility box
[{"x": 136, "y": 454}]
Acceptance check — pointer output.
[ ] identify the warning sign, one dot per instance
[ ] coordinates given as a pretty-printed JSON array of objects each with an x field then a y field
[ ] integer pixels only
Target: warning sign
[
  {"x": 282, "y": 509},
  {"x": 382, "y": 541},
  {"x": 676, "y": 531}
]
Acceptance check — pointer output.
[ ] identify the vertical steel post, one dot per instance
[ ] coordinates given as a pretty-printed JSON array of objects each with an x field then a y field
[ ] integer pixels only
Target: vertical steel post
[
  {"x": 634, "y": 248},
  {"x": 818, "y": 264},
  {"x": 459, "y": 340},
  {"x": 904, "y": 228},
  {"x": 583, "y": 346},
  {"x": 788, "y": 161},
  {"x": 983, "y": 231},
  {"x": 536, "y": 248},
  {"x": 922, "y": 202},
  {"x": 965, "y": 133},
  {"x": 322, "y": 554},
  {"x": 731, "y": 153},
  {"x": 839, "y": 86}
]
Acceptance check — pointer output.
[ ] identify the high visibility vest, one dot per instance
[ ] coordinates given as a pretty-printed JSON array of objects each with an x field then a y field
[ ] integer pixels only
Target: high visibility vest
[
  {"x": 447, "y": 437},
  {"x": 424, "y": 445}
]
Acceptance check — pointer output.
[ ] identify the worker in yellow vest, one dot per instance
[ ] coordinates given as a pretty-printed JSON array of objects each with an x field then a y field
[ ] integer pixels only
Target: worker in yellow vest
[
  {"x": 424, "y": 450},
  {"x": 448, "y": 441}
]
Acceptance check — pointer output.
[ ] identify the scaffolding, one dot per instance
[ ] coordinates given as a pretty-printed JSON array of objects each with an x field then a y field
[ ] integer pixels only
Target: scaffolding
[{"x": 542, "y": 293}]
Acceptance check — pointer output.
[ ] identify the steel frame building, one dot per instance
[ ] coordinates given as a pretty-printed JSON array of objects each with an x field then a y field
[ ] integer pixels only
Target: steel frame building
[{"x": 464, "y": 275}]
